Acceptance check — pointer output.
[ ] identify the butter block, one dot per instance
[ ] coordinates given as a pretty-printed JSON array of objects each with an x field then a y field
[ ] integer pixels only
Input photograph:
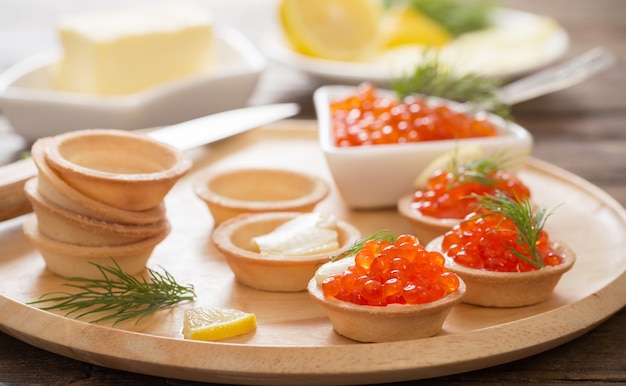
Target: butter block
[
  {"x": 118, "y": 52},
  {"x": 306, "y": 234}
]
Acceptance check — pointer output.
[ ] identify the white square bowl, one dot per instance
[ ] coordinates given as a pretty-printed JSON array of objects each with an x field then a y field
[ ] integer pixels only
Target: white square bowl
[
  {"x": 35, "y": 109},
  {"x": 376, "y": 176}
]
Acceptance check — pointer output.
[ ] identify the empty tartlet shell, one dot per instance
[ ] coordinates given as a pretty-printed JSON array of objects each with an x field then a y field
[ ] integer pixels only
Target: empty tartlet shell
[
  {"x": 510, "y": 289},
  {"x": 390, "y": 323},
  {"x": 426, "y": 228},
  {"x": 69, "y": 260},
  {"x": 229, "y": 193},
  {"x": 124, "y": 170},
  {"x": 266, "y": 272},
  {"x": 53, "y": 188},
  {"x": 68, "y": 227}
]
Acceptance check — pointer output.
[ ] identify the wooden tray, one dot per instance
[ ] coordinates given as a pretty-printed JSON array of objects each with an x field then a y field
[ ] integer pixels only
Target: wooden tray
[{"x": 294, "y": 341}]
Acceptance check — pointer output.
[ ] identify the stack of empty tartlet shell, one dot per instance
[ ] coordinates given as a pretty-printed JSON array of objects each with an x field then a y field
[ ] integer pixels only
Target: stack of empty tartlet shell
[{"x": 99, "y": 196}]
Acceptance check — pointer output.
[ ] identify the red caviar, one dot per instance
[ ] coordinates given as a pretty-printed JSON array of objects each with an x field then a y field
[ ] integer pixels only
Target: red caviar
[
  {"x": 402, "y": 272},
  {"x": 368, "y": 119},
  {"x": 446, "y": 197},
  {"x": 490, "y": 242}
]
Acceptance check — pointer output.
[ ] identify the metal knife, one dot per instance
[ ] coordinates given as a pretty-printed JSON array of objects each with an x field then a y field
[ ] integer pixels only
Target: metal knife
[{"x": 184, "y": 135}]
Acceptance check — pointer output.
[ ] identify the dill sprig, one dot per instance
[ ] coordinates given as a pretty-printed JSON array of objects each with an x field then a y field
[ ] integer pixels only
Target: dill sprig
[
  {"x": 120, "y": 295},
  {"x": 382, "y": 235},
  {"x": 529, "y": 223},
  {"x": 481, "y": 170},
  {"x": 431, "y": 78}
]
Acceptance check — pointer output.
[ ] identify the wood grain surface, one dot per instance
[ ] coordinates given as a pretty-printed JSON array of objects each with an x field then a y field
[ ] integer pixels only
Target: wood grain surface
[
  {"x": 294, "y": 341},
  {"x": 581, "y": 129}
]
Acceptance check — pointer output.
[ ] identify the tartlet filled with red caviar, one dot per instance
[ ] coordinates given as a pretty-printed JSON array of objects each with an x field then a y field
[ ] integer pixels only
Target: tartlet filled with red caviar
[
  {"x": 387, "y": 288},
  {"x": 375, "y": 143},
  {"x": 446, "y": 191},
  {"x": 504, "y": 254}
]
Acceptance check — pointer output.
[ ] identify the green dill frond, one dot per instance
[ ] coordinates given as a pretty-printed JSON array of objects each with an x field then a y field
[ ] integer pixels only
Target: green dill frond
[
  {"x": 431, "y": 78},
  {"x": 119, "y": 295},
  {"x": 529, "y": 223},
  {"x": 382, "y": 235},
  {"x": 481, "y": 170}
]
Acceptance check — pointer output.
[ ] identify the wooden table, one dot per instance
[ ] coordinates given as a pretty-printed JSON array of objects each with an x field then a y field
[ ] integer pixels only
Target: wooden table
[{"x": 582, "y": 129}]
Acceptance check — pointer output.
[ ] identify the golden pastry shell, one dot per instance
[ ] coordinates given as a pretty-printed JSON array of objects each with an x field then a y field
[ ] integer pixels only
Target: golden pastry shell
[
  {"x": 389, "y": 323},
  {"x": 271, "y": 273},
  {"x": 71, "y": 260},
  {"x": 65, "y": 226},
  {"x": 53, "y": 188},
  {"x": 228, "y": 193},
  {"x": 121, "y": 169},
  {"x": 510, "y": 289}
]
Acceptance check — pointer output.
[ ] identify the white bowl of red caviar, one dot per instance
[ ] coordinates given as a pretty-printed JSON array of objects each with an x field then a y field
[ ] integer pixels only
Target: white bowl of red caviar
[
  {"x": 389, "y": 290},
  {"x": 374, "y": 160},
  {"x": 485, "y": 251}
]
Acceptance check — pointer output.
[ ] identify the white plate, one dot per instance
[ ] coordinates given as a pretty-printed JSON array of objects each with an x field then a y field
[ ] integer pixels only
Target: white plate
[
  {"x": 519, "y": 43},
  {"x": 35, "y": 109}
]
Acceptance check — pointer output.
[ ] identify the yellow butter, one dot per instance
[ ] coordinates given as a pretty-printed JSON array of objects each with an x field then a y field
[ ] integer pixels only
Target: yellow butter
[
  {"x": 306, "y": 234},
  {"x": 124, "y": 51}
]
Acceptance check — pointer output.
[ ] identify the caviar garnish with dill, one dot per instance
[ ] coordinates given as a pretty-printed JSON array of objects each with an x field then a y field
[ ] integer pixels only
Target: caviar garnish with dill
[
  {"x": 398, "y": 271},
  {"x": 504, "y": 235},
  {"x": 452, "y": 192}
]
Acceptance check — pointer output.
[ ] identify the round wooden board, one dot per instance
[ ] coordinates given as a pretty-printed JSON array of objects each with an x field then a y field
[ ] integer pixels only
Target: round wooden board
[{"x": 294, "y": 341}]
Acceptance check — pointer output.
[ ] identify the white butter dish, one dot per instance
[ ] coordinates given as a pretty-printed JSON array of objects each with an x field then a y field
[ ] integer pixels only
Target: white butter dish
[{"x": 35, "y": 109}]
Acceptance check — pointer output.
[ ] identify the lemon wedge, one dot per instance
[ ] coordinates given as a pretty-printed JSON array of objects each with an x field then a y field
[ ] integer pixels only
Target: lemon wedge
[
  {"x": 460, "y": 156},
  {"x": 347, "y": 30},
  {"x": 213, "y": 324},
  {"x": 407, "y": 25}
]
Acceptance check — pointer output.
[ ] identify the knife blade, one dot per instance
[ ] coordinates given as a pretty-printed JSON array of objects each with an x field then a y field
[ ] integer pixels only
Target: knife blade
[
  {"x": 212, "y": 128},
  {"x": 184, "y": 136}
]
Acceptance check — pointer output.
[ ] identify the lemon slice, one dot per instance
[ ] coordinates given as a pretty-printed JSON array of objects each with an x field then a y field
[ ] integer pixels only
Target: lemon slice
[
  {"x": 213, "y": 324},
  {"x": 407, "y": 25},
  {"x": 461, "y": 155},
  {"x": 347, "y": 30}
]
